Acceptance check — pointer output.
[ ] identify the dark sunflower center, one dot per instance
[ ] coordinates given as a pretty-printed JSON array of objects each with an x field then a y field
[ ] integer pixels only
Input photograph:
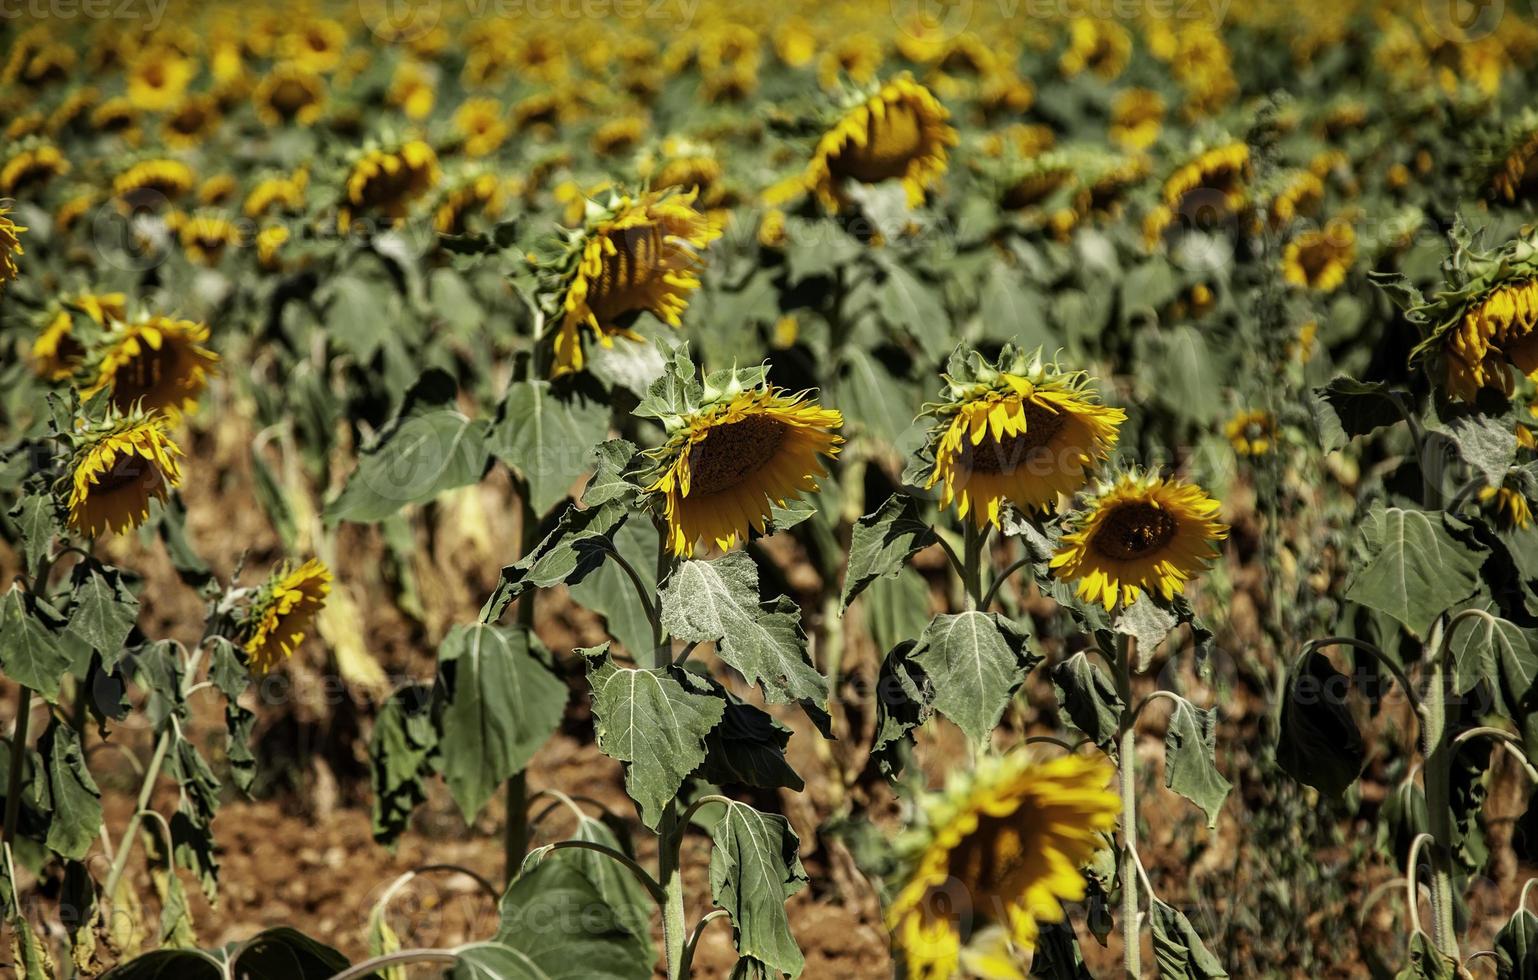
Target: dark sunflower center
[
  {"x": 140, "y": 377},
  {"x": 894, "y": 140},
  {"x": 1133, "y": 531},
  {"x": 731, "y": 453},
  {"x": 1006, "y": 455},
  {"x": 128, "y": 470},
  {"x": 635, "y": 264},
  {"x": 289, "y": 96}
]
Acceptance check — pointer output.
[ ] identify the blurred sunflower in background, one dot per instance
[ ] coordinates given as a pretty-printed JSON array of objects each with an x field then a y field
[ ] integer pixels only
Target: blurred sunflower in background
[
  {"x": 205, "y": 237},
  {"x": 482, "y": 124},
  {"x": 289, "y": 93},
  {"x": 152, "y": 181},
  {"x": 479, "y": 195},
  {"x": 277, "y": 193},
  {"x": 31, "y": 166},
  {"x": 898, "y": 133},
  {"x": 119, "y": 466},
  {"x": 1508, "y": 505},
  {"x": 1320, "y": 258},
  {"x": 1210, "y": 186},
  {"x": 158, "y": 79},
  {"x": 1016, "y": 430},
  {"x": 1139, "y": 532},
  {"x": 10, "y": 243},
  {"x": 633, "y": 255},
  {"x": 155, "y": 362},
  {"x": 283, "y": 611},
  {"x": 58, "y": 353},
  {"x": 1003, "y": 845},
  {"x": 1251, "y": 433},
  {"x": 1137, "y": 116},
  {"x": 745, "y": 449},
  {"x": 387, "y": 182}
]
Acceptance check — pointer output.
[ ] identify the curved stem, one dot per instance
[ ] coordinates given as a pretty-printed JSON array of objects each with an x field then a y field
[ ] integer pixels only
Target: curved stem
[
  {"x": 372, "y": 966},
  {"x": 694, "y": 939},
  {"x": 950, "y": 552},
  {"x": 1063, "y": 744},
  {"x": 1505, "y": 740},
  {"x": 641, "y": 875},
  {"x": 695, "y": 807},
  {"x": 481, "y": 882},
  {"x": 146, "y": 790},
  {"x": 1412, "y": 896},
  {"x": 1156, "y": 695},
  {"x": 1000, "y": 579},
  {"x": 1377, "y": 654}
]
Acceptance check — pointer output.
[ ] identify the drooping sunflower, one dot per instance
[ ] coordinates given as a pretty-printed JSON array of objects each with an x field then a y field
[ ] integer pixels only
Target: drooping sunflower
[
  {"x": 741, "y": 450},
  {"x": 218, "y": 189},
  {"x": 269, "y": 242},
  {"x": 1320, "y": 258},
  {"x": 898, "y": 133},
  {"x": 119, "y": 466},
  {"x": 31, "y": 165},
  {"x": 1299, "y": 195},
  {"x": 116, "y": 115},
  {"x": 277, "y": 192},
  {"x": 289, "y": 94},
  {"x": 283, "y": 612},
  {"x": 632, "y": 256},
  {"x": 57, "y": 352},
  {"x": 10, "y": 243},
  {"x": 1139, "y": 532},
  {"x": 413, "y": 89},
  {"x": 205, "y": 236},
  {"x": 1508, "y": 506},
  {"x": 1016, "y": 430},
  {"x": 155, "y": 362},
  {"x": 386, "y": 182},
  {"x": 192, "y": 121},
  {"x": 1251, "y": 433},
  {"x": 1002, "y": 846},
  {"x": 618, "y": 135}
]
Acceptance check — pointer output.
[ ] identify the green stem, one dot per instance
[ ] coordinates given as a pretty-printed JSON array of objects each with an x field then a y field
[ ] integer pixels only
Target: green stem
[
  {"x": 670, "y": 876},
  {"x": 1126, "y": 765},
  {"x": 1438, "y": 750},
  {"x": 130, "y": 834},
  {"x": 972, "y": 562},
  {"x": 515, "y": 831},
  {"x": 18, "y": 762}
]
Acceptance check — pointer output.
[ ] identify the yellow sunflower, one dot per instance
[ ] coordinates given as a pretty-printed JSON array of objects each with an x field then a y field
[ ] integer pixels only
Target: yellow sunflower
[
  {"x": 149, "y": 181},
  {"x": 1320, "y": 258},
  {"x": 1017, "y": 430},
  {"x": 269, "y": 242},
  {"x": 618, "y": 135},
  {"x": 205, "y": 237},
  {"x": 158, "y": 79},
  {"x": 478, "y": 195},
  {"x": 289, "y": 94},
  {"x": 387, "y": 182},
  {"x": 899, "y": 133},
  {"x": 283, "y": 612},
  {"x": 635, "y": 255},
  {"x": 1251, "y": 433},
  {"x": 733, "y": 459},
  {"x": 319, "y": 46},
  {"x": 192, "y": 121},
  {"x": 218, "y": 189},
  {"x": 1002, "y": 845},
  {"x": 1098, "y": 45},
  {"x": 118, "y": 467},
  {"x": 277, "y": 193},
  {"x": 1212, "y": 184},
  {"x": 1516, "y": 175},
  {"x": 30, "y": 167},
  {"x": 1508, "y": 506},
  {"x": 155, "y": 362},
  {"x": 72, "y": 210},
  {"x": 57, "y": 352},
  {"x": 413, "y": 89},
  {"x": 1137, "y": 115},
  {"x": 482, "y": 124},
  {"x": 116, "y": 115},
  {"x": 10, "y": 243},
  {"x": 1299, "y": 196},
  {"x": 1139, "y": 531}
]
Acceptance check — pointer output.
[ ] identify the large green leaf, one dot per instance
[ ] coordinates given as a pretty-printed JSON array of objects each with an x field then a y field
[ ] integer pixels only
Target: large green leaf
[
  {"x": 975, "y": 661},
  {"x": 1089, "y": 697},
  {"x": 754, "y": 868},
  {"x": 1346, "y": 408},
  {"x": 501, "y": 701},
  {"x": 748, "y": 749},
  {"x": 579, "y": 543},
  {"x": 882, "y": 542},
  {"x": 1426, "y": 962},
  {"x": 548, "y": 438},
  {"x": 609, "y": 592},
  {"x": 30, "y": 652},
  {"x": 1190, "y": 758},
  {"x": 621, "y": 892},
  {"x": 77, "y": 815},
  {"x": 1516, "y": 947},
  {"x": 903, "y": 702},
  {"x": 1179, "y": 952},
  {"x": 1495, "y": 649},
  {"x": 404, "y": 741},
  {"x": 650, "y": 721},
  {"x": 36, "y": 516},
  {"x": 1409, "y": 565},
  {"x": 717, "y": 601},
  {"x": 104, "y": 612}
]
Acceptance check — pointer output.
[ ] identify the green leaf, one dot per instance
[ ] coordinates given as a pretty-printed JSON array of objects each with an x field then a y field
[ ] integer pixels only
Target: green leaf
[
  {"x": 1487, "y": 444},
  {"x": 232, "y": 678},
  {"x": 430, "y": 447},
  {"x": 903, "y": 702},
  {"x": 648, "y": 720},
  {"x": 1148, "y": 622},
  {"x": 176, "y": 930},
  {"x": 609, "y": 592},
  {"x": 30, "y": 652},
  {"x": 1346, "y": 408},
  {"x": 748, "y": 749},
  {"x": 183, "y": 964},
  {"x": 1426, "y": 961},
  {"x": 1178, "y": 950},
  {"x": 1319, "y": 744},
  {"x": 620, "y": 890},
  {"x": 754, "y": 868},
  {"x": 501, "y": 700},
  {"x": 1516, "y": 947},
  {"x": 1057, "y": 955},
  {"x": 286, "y": 954},
  {"x": 1410, "y": 566},
  {"x": 611, "y": 474},
  {"x": 548, "y": 438},
  {"x": 579, "y": 543},
  {"x": 717, "y": 601},
  {"x": 36, "y": 515},
  {"x": 1009, "y": 309},
  {"x": 896, "y": 608},
  {"x": 882, "y": 542},
  {"x": 975, "y": 661},
  {"x": 1089, "y": 698},
  {"x": 1490, "y": 649},
  {"x": 104, "y": 612},
  {"x": 1190, "y": 758},
  {"x": 359, "y": 313},
  {"x": 400, "y": 753},
  {"x": 914, "y": 307},
  {"x": 77, "y": 816},
  {"x": 557, "y": 925}
]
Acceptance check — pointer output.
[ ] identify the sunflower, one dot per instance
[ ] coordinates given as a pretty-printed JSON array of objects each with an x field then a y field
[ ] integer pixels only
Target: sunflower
[
  {"x": 482, "y": 126},
  {"x": 1139, "y": 531},
  {"x": 31, "y": 166},
  {"x": 150, "y": 181},
  {"x": 269, "y": 241},
  {"x": 691, "y": 166},
  {"x": 412, "y": 89},
  {"x": 277, "y": 193},
  {"x": 1516, "y": 177},
  {"x": 205, "y": 237},
  {"x": 634, "y": 255},
  {"x": 319, "y": 46},
  {"x": 899, "y": 133},
  {"x": 1320, "y": 258},
  {"x": 116, "y": 115},
  {"x": 10, "y": 243},
  {"x": 1005, "y": 845},
  {"x": 1508, "y": 506},
  {"x": 218, "y": 189},
  {"x": 479, "y": 194},
  {"x": 1015, "y": 430},
  {"x": 1096, "y": 45},
  {"x": 158, "y": 79},
  {"x": 74, "y": 107},
  {"x": 72, "y": 210},
  {"x": 283, "y": 611},
  {"x": 388, "y": 182},
  {"x": 855, "y": 56},
  {"x": 735, "y": 457},
  {"x": 154, "y": 362},
  {"x": 1300, "y": 195},
  {"x": 289, "y": 94},
  {"x": 192, "y": 121},
  {"x": 118, "y": 467},
  {"x": 1137, "y": 114},
  {"x": 1251, "y": 433},
  {"x": 1213, "y": 183},
  {"x": 618, "y": 135},
  {"x": 57, "y": 352}
]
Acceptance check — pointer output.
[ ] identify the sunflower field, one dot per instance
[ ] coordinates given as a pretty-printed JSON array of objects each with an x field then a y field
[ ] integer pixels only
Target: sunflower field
[{"x": 622, "y": 489}]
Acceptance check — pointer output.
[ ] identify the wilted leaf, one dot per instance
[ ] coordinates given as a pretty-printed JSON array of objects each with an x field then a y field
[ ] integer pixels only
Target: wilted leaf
[
  {"x": 1090, "y": 699},
  {"x": 882, "y": 542},
  {"x": 754, "y": 868},
  {"x": 1178, "y": 949},
  {"x": 1319, "y": 743},
  {"x": 975, "y": 661},
  {"x": 1190, "y": 758}
]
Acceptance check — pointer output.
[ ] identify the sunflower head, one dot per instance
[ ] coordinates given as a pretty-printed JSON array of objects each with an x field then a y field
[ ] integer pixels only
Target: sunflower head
[
  {"x": 1506, "y": 160},
  {"x": 156, "y": 362},
  {"x": 1212, "y": 184},
  {"x": 283, "y": 611},
  {"x": 736, "y": 449},
  {"x": 1137, "y": 532},
  {"x": 205, "y": 236},
  {"x": 898, "y": 132},
  {"x": 1137, "y": 115},
  {"x": 158, "y": 78},
  {"x": 1015, "y": 430},
  {"x": 482, "y": 124},
  {"x": 60, "y": 350},
  {"x": 1251, "y": 433},
  {"x": 289, "y": 94},
  {"x": 152, "y": 180},
  {"x": 1096, "y": 44},
  {"x": 1320, "y": 258},
  {"x": 632, "y": 255},
  {"x": 192, "y": 121},
  {"x": 119, "y": 465},
  {"x": 277, "y": 192},
  {"x": 1508, "y": 506},
  {"x": 476, "y": 196},
  {"x": 30, "y": 165},
  {"x": 387, "y": 181},
  {"x": 1002, "y": 846},
  {"x": 10, "y": 243}
]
